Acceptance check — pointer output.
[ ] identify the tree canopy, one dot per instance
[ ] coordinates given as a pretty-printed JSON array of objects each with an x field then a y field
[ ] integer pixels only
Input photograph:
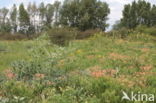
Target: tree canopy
[
  {"x": 85, "y": 14},
  {"x": 139, "y": 13}
]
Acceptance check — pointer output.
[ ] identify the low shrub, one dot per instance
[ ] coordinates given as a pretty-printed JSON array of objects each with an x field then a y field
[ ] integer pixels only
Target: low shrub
[
  {"x": 151, "y": 81},
  {"x": 121, "y": 33},
  {"x": 17, "y": 36},
  {"x": 62, "y": 36},
  {"x": 140, "y": 28},
  {"x": 87, "y": 33},
  {"x": 26, "y": 70},
  {"x": 146, "y": 30},
  {"x": 151, "y": 31},
  {"x": 6, "y": 36}
]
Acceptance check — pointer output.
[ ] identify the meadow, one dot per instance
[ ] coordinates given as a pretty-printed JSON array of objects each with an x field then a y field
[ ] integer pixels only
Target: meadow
[{"x": 93, "y": 70}]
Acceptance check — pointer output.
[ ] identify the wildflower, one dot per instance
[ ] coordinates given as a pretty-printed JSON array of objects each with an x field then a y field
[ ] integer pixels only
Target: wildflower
[
  {"x": 79, "y": 51},
  {"x": 90, "y": 57},
  {"x": 97, "y": 74},
  {"x": 144, "y": 73},
  {"x": 125, "y": 81},
  {"x": 99, "y": 56},
  {"x": 102, "y": 73},
  {"x": 118, "y": 56},
  {"x": 145, "y": 49},
  {"x": 146, "y": 68},
  {"x": 62, "y": 61},
  {"x": 49, "y": 83},
  {"x": 111, "y": 72},
  {"x": 39, "y": 76},
  {"x": 9, "y": 74},
  {"x": 94, "y": 68}
]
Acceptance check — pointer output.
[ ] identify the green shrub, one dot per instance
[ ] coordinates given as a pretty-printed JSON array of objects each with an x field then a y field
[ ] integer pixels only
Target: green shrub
[
  {"x": 16, "y": 92},
  {"x": 17, "y": 36},
  {"x": 87, "y": 33},
  {"x": 3, "y": 48},
  {"x": 62, "y": 36},
  {"x": 146, "y": 30},
  {"x": 8, "y": 36},
  {"x": 151, "y": 81},
  {"x": 140, "y": 28},
  {"x": 26, "y": 70},
  {"x": 151, "y": 31},
  {"x": 121, "y": 33}
]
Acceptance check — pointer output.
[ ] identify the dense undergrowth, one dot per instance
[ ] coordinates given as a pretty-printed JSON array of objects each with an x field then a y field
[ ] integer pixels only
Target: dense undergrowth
[{"x": 95, "y": 70}]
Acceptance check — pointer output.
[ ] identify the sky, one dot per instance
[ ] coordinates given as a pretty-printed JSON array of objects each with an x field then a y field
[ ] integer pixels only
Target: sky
[{"x": 116, "y": 6}]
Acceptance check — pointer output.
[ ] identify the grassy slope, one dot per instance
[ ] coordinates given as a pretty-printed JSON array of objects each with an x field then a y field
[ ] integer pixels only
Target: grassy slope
[
  {"x": 11, "y": 51},
  {"x": 126, "y": 55},
  {"x": 133, "y": 58}
]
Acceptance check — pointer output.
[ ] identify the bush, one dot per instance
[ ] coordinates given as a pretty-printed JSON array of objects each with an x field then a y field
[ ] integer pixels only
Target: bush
[
  {"x": 87, "y": 33},
  {"x": 26, "y": 70},
  {"x": 140, "y": 28},
  {"x": 151, "y": 81},
  {"x": 121, "y": 33},
  {"x": 17, "y": 36},
  {"x": 146, "y": 30},
  {"x": 7, "y": 36},
  {"x": 151, "y": 31},
  {"x": 16, "y": 92},
  {"x": 62, "y": 36}
]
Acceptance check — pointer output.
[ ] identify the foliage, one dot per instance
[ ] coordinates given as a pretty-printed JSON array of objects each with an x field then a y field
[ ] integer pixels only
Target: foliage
[
  {"x": 13, "y": 17},
  {"x": 87, "y": 33},
  {"x": 146, "y": 30},
  {"x": 6, "y": 27},
  {"x": 49, "y": 15},
  {"x": 17, "y": 36},
  {"x": 62, "y": 36},
  {"x": 24, "y": 20},
  {"x": 138, "y": 13},
  {"x": 151, "y": 81},
  {"x": 84, "y": 14},
  {"x": 95, "y": 70},
  {"x": 121, "y": 33},
  {"x": 4, "y": 22}
]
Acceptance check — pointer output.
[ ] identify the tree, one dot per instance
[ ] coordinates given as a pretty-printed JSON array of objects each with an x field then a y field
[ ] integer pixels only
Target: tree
[
  {"x": 57, "y": 9},
  {"x": 24, "y": 20},
  {"x": 42, "y": 13},
  {"x": 49, "y": 15},
  {"x": 3, "y": 14},
  {"x": 118, "y": 25},
  {"x": 84, "y": 14},
  {"x": 4, "y": 21},
  {"x": 138, "y": 13},
  {"x": 32, "y": 11},
  {"x": 13, "y": 18},
  {"x": 126, "y": 14},
  {"x": 6, "y": 28},
  {"x": 153, "y": 15}
]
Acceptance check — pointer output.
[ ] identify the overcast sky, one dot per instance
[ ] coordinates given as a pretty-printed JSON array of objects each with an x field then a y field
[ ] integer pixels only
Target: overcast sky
[{"x": 116, "y": 6}]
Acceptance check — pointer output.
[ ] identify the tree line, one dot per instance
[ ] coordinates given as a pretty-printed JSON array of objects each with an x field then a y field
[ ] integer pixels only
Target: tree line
[
  {"x": 81, "y": 14},
  {"x": 137, "y": 13},
  {"x": 28, "y": 20}
]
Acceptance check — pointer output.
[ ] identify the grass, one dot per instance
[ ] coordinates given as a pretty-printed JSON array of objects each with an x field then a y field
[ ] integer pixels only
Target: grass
[
  {"x": 11, "y": 51},
  {"x": 92, "y": 70}
]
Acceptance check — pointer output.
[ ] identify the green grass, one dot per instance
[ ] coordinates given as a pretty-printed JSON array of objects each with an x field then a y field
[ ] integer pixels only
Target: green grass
[
  {"x": 76, "y": 71},
  {"x": 11, "y": 51}
]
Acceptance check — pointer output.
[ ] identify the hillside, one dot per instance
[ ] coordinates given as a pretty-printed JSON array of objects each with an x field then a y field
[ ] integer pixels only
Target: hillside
[{"x": 95, "y": 70}]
